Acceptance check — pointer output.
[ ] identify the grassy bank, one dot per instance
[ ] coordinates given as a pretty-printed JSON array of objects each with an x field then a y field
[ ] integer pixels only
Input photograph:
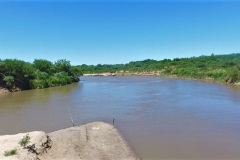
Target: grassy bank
[
  {"x": 223, "y": 69},
  {"x": 19, "y": 75}
]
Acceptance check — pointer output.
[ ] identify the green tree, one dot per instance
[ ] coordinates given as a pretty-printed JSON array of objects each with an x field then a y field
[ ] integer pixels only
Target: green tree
[
  {"x": 43, "y": 65},
  {"x": 63, "y": 65},
  {"x": 17, "y": 68}
]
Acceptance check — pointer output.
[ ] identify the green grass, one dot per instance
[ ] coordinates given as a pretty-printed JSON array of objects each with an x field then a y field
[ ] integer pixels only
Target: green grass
[
  {"x": 10, "y": 153},
  {"x": 25, "y": 140}
]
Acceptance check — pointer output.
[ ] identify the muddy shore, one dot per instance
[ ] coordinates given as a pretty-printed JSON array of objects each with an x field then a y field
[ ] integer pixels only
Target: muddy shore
[
  {"x": 95, "y": 140},
  {"x": 3, "y": 90},
  {"x": 159, "y": 74}
]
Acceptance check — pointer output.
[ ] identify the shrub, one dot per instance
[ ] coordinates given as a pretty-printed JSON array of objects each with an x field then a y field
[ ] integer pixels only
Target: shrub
[
  {"x": 9, "y": 81},
  {"x": 232, "y": 75},
  {"x": 10, "y": 153},
  {"x": 39, "y": 83},
  {"x": 167, "y": 70},
  {"x": 17, "y": 68},
  {"x": 40, "y": 75},
  {"x": 200, "y": 65},
  {"x": 43, "y": 65},
  {"x": 59, "y": 79},
  {"x": 62, "y": 65},
  {"x": 238, "y": 66},
  {"x": 24, "y": 141}
]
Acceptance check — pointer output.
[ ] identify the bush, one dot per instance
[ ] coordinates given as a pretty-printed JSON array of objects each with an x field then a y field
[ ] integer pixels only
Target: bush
[
  {"x": 40, "y": 75},
  {"x": 200, "y": 65},
  {"x": 2, "y": 68},
  {"x": 24, "y": 141},
  {"x": 9, "y": 81},
  {"x": 43, "y": 65},
  {"x": 63, "y": 65},
  {"x": 17, "y": 68},
  {"x": 59, "y": 79},
  {"x": 238, "y": 66},
  {"x": 10, "y": 153},
  {"x": 39, "y": 83},
  {"x": 232, "y": 75},
  {"x": 167, "y": 70}
]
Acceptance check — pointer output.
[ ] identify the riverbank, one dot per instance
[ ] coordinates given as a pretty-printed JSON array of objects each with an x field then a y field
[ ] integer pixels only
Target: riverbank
[
  {"x": 159, "y": 74},
  {"x": 95, "y": 140},
  {"x": 144, "y": 74},
  {"x": 3, "y": 90}
]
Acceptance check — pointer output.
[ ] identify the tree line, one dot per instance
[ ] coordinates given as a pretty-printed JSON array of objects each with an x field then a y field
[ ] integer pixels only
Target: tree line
[
  {"x": 224, "y": 68},
  {"x": 18, "y": 74}
]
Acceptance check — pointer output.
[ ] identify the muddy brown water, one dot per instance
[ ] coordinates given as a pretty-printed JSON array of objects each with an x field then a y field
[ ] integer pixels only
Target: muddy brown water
[{"x": 160, "y": 118}]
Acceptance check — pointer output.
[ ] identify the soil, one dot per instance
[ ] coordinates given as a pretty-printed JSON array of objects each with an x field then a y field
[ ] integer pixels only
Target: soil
[
  {"x": 159, "y": 74},
  {"x": 93, "y": 141}
]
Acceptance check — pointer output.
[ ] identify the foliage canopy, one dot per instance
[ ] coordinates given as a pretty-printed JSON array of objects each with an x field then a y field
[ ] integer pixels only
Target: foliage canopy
[{"x": 39, "y": 74}]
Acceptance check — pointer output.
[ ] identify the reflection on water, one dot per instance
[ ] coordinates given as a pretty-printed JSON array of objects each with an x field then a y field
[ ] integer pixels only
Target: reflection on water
[
  {"x": 161, "y": 118},
  {"x": 34, "y": 110}
]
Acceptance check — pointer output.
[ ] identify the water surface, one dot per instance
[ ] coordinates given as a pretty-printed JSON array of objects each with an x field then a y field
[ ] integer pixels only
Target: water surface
[{"x": 160, "y": 118}]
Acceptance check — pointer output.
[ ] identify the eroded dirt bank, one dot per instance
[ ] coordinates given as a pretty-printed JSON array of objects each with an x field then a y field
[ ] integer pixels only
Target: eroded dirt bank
[
  {"x": 3, "y": 90},
  {"x": 93, "y": 141},
  {"x": 159, "y": 74}
]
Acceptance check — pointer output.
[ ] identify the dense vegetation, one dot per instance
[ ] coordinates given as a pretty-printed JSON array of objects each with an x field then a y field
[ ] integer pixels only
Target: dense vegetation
[
  {"x": 39, "y": 74},
  {"x": 224, "y": 68}
]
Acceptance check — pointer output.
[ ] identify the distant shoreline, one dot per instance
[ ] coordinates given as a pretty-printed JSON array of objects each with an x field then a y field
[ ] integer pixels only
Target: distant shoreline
[
  {"x": 158, "y": 74},
  {"x": 139, "y": 74}
]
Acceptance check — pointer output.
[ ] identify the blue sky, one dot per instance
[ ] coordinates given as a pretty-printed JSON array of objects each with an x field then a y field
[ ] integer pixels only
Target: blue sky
[{"x": 104, "y": 32}]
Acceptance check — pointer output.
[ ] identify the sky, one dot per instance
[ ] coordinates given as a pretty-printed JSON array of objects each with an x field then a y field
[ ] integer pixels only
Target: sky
[{"x": 115, "y": 32}]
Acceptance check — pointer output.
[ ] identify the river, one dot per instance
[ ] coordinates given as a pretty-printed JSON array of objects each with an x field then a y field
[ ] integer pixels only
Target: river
[{"x": 160, "y": 118}]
